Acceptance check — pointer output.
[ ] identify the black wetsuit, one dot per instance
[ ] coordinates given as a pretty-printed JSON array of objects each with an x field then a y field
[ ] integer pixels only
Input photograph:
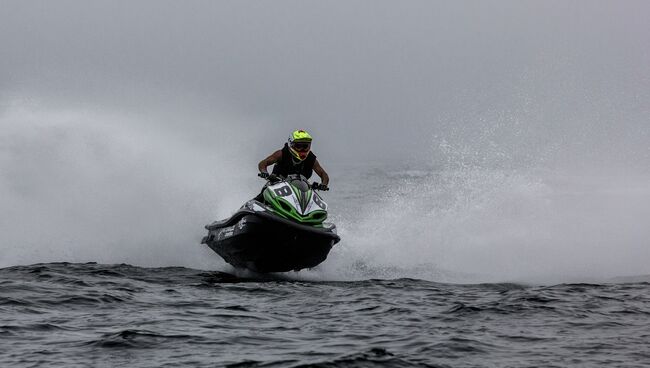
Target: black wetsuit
[{"x": 286, "y": 165}]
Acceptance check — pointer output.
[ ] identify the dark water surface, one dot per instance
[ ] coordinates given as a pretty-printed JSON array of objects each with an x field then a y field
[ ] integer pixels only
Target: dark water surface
[{"x": 69, "y": 315}]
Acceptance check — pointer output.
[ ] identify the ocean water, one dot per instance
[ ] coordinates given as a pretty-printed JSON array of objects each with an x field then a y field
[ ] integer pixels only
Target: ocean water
[{"x": 88, "y": 314}]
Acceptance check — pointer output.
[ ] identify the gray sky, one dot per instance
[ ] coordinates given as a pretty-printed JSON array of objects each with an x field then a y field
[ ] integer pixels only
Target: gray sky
[
  {"x": 127, "y": 125},
  {"x": 387, "y": 79}
]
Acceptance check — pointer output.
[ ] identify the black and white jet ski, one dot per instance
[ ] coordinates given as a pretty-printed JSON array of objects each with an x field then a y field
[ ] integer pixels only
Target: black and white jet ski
[{"x": 287, "y": 231}]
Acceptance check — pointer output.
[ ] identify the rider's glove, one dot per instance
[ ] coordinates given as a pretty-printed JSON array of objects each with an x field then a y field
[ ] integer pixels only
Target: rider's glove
[
  {"x": 263, "y": 175},
  {"x": 318, "y": 186}
]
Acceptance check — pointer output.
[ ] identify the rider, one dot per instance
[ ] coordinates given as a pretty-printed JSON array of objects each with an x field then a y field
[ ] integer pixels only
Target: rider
[{"x": 295, "y": 158}]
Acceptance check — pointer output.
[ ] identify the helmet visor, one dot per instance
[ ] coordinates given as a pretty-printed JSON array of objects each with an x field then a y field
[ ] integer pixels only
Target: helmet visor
[{"x": 301, "y": 146}]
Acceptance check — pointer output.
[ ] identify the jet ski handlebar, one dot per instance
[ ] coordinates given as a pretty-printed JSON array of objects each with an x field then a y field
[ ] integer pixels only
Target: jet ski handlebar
[
  {"x": 272, "y": 178},
  {"x": 318, "y": 186}
]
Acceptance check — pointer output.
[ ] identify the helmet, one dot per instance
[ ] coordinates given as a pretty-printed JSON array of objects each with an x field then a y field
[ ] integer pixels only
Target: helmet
[{"x": 299, "y": 144}]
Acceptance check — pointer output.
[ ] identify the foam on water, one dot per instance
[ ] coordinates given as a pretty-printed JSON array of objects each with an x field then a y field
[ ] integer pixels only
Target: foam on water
[{"x": 488, "y": 225}]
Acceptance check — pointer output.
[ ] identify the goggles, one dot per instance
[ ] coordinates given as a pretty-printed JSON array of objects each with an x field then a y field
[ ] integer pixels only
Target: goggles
[{"x": 301, "y": 146}]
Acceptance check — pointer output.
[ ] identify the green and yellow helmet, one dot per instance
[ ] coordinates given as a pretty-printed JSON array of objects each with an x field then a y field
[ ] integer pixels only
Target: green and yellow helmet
[{"x": 299, "y": 144}]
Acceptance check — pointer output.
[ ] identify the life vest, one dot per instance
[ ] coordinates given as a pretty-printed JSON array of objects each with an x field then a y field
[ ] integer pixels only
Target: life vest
[{"x": 286, "y": 165}]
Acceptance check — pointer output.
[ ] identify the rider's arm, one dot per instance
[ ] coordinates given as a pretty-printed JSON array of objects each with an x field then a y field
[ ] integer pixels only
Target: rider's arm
[
  {"x": 273, "y": 158},
  {"x": 318, "y": 169}
]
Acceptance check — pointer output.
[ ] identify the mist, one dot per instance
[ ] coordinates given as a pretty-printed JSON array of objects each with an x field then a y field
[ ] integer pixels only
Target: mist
[{"x": 125, "y": 127}]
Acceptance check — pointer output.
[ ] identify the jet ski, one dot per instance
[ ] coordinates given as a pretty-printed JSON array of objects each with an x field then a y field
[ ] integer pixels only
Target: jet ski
[{"x": 285, "y": 232}]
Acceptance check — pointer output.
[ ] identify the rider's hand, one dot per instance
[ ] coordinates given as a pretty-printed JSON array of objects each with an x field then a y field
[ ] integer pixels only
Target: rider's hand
[
  {"x": 263, "y": 175},
  {"x": 319, "y": 186}
]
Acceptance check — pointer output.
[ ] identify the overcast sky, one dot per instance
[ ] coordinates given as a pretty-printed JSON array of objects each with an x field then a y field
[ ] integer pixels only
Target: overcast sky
[
  {"x": 387, "y": 79},
  {"x": 127, "y": 125}
]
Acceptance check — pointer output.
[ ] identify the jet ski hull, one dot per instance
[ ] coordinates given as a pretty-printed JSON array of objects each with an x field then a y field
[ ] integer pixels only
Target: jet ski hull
[{"x": 264, "y": 242}]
